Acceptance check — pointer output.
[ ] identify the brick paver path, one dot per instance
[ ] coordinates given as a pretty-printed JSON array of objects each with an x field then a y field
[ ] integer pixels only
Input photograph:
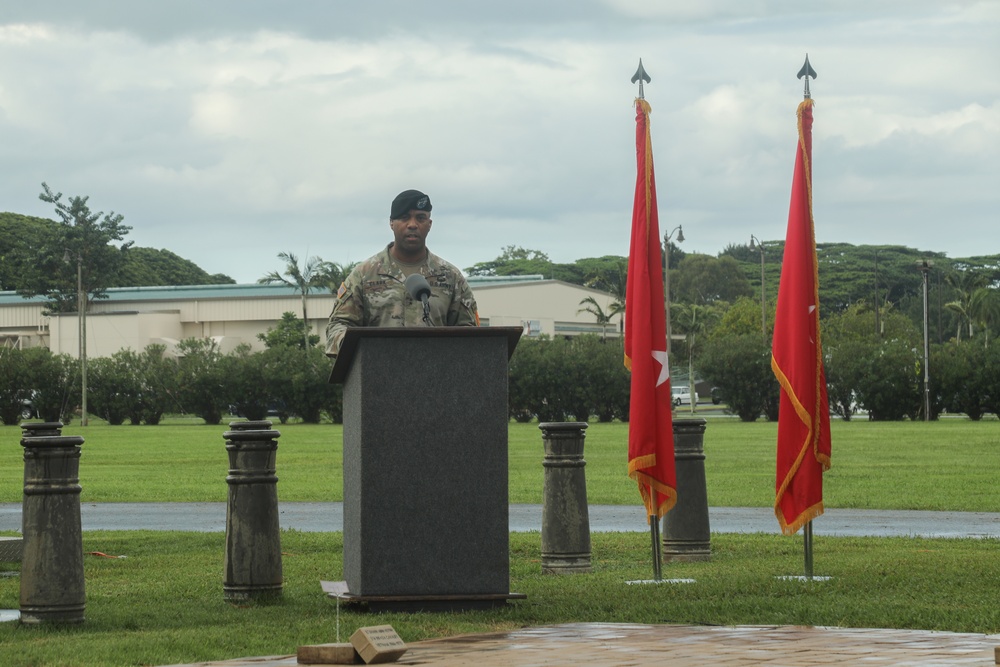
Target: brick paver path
[{"x": 688, "y": 646}]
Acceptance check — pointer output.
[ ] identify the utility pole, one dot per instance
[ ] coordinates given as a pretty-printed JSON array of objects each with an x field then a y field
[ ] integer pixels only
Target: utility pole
[
  {"x": 763, "y": 299},
  {"x": 666, "y": 274},
  {"x": 81, "y": 319},
  {"x": 925, "y": 267}
]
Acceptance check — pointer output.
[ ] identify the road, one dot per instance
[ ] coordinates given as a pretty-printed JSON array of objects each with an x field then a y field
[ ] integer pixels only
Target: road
[{"x": 325, "y": 517}]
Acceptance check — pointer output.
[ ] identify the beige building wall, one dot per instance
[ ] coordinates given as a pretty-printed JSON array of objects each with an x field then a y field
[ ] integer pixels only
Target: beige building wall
[
  {"x": 23, "y": 325},
  {"x": 108, "y": 333},
  {"x": 232, "y": 314},
  {"x": 544, "y": 307}
]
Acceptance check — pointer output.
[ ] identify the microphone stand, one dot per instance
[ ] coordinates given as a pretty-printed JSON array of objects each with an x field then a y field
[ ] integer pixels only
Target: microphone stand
[
  {"x": 418, "y": 289},
  {"x": 427, "y": 310}
]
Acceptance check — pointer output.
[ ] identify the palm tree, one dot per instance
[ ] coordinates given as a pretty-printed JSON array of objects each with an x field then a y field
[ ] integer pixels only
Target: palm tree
[
  {"x": 613, "y": 280},
  {"x": 333, "y": 275},
  {"x": 602, "y": 317},
  {"x": 965, "y": 283},
  {"x": 692, "y": 320},
  {"x": 303, "y": 279},
  {"x": 984, "y": 309}
]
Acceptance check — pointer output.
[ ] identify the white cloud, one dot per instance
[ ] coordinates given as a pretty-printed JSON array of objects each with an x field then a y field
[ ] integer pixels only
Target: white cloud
[{"x": 226, "y": 138}]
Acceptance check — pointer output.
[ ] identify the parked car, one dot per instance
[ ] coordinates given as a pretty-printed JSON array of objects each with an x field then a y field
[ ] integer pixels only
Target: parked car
[
  {"x": 716, "y": 396},
  {"x": 28, "y": 410},
  {"x": 274, "y": 409},
  {"x": 681, "y": 394}
]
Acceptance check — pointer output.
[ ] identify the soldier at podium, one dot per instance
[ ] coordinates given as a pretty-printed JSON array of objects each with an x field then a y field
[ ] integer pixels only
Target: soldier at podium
[{"x": 375, "y": 294}]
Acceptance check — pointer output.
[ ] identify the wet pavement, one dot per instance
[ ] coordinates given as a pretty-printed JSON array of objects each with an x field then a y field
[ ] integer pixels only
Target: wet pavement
[
  {"x": 688, "y": 646},
  {"x": 326, "y": 517}
]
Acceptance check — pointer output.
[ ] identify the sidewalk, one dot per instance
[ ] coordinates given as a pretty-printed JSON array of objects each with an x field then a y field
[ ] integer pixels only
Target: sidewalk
[
  {"x": 583, "y": 644},
  {"x": 326, "y": 517}
]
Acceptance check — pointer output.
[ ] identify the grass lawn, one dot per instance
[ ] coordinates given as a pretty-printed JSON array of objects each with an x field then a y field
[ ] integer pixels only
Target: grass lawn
[
  {"x": 945, "y": 465},
  {"x": 163, "y": 603}
]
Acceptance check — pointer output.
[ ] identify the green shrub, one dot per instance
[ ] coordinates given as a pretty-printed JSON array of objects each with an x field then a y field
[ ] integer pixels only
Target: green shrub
[
  {"x": 201, "y": 381},
  {"x": 15, "y": 388},
  {"x": 740, "y": 366},
  {"x": 113, "y": 386},
  {"x": 957, "y": 378},
  {"x": 55, "y": 382}
]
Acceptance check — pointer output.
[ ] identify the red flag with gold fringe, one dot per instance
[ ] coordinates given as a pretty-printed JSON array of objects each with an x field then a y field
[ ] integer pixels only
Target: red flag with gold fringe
[
  {"x": 650, "y": 431},
  {"x": 797, "y": 355}
]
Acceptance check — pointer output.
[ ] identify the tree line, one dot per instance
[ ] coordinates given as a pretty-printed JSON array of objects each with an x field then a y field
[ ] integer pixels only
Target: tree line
[
  {"x": 872, "y": 318},
  {"x": 551, "y": 379},
  {"x": 89, "y": 249},
  {"x": 961, "y": 292},
  {"x": 874, "y": 372},
  {"x": 84, "y": 249},
  {"x": 722, "y": 311},
  {"x": 287, "y": 378}
]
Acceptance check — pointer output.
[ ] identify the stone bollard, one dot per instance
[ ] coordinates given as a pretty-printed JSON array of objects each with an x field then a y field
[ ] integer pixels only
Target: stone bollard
[
  {"x": 565, "y": 515},
  {"x": 253, "y": 538},
  {"x": 686, "y": 535},
  {"x": 40, "y": 429},
  {"x": 11, "y": 548},
  {"x": 52, "y": 584}
]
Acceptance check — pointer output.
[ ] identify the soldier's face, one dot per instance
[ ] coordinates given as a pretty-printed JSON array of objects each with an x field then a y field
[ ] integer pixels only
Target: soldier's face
[{"x": 410, "y": 233}]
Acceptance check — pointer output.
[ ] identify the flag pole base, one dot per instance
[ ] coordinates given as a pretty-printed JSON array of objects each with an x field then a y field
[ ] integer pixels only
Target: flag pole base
[{"x": 807, "y": 543}]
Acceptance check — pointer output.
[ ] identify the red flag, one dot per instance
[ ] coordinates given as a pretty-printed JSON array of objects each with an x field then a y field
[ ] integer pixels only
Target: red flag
[
  {"x": 650, "y": 431},
  {"x": 797, "y": 356}
]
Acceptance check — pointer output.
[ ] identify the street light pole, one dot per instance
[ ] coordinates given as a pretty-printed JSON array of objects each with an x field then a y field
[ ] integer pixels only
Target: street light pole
[
  {"x": 666, "y": 274},
  {"x": 878, "y": 324},
  {"x": 925, "y": 267},
  {"x": 81, "y": 321},
  {"x": 81, "y": 298},
  {"x": 763, "y": 299}
]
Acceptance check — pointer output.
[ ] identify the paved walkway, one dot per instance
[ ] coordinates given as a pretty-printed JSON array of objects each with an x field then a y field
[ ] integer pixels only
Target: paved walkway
[
  {"x": 689, "y": 646},
  {"x": 324, "y": 517}
]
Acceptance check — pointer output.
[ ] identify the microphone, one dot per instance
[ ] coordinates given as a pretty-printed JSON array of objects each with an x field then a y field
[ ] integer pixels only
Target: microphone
[{"x": 420, "y": 290}]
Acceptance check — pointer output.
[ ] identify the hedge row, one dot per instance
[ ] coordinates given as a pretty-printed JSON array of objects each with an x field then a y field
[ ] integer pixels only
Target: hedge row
[{"x": 550, "y": 380}]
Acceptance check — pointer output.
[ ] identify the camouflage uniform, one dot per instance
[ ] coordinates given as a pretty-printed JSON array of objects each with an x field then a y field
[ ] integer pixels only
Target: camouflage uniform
[{"x": 374, "y": 295}]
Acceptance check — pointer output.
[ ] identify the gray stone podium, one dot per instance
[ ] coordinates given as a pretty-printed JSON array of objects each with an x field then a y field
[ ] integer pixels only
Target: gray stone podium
[{"x": 425, "y": 466}]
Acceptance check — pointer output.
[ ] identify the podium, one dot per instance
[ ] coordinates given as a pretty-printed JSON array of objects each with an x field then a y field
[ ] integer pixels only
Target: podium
[{"x": 425, "y": 466}]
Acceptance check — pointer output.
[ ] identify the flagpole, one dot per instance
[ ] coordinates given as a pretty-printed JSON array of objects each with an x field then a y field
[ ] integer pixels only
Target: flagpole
[
  {"x": 797, "y": 357},
  {"x": 651, "y": 455},
  {"x": 654, "y": 520},
  {"x": 654, "y": 533},
  {"x": 807, "y": 541},
  {"x": 807, "y": 531}
]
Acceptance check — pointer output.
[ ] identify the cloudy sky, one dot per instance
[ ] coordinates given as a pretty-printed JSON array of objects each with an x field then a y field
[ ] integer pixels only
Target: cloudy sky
[{"x": 227, "y": 131}]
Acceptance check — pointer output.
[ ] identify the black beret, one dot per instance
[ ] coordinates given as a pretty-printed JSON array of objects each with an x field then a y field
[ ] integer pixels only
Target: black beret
[{"x": 407, "y": 201}]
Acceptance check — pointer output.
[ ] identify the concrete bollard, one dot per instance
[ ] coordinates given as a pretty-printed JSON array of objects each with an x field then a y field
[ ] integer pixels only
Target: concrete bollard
[
  {"x": 52, "y": 583},
  {"x": 565, "y": 514},
  {"x": 686, "y": 535},
  {"x": 11, "y": 548},
  {"x": 253, "y": 537},
  {"x": 40, "y": 429}
]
